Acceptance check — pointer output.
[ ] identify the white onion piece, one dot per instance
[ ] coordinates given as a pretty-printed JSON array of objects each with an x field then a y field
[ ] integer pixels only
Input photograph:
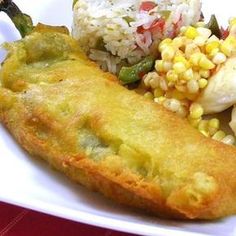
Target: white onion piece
[{"x": 220, "y": 92}]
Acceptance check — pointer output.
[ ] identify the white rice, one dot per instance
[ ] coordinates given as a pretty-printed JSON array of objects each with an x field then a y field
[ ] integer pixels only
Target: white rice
[{"x": 106, "y": 21}]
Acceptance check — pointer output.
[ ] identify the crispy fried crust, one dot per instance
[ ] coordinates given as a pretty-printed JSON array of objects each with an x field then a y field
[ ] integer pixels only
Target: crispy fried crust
[{"x": 61, "y": 107}]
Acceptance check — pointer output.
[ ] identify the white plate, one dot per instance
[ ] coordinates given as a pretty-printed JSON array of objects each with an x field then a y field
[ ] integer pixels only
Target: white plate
[{"x": 30, "y": 183}]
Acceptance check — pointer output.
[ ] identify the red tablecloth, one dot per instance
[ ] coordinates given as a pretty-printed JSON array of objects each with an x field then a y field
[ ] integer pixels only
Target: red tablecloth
[{"x": 17, "y": 221}]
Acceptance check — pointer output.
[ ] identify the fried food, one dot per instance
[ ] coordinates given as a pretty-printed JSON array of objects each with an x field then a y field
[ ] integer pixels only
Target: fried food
[{"x": 61, "y": 107}]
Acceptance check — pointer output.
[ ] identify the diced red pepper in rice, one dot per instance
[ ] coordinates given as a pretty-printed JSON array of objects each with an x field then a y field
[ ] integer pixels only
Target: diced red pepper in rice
[
  {"x": 147, "y": 6},
  {"x": 156, "y": 26}
]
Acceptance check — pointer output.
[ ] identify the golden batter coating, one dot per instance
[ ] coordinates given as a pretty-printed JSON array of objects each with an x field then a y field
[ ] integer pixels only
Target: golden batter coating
[{"x": 61, "y": 107}]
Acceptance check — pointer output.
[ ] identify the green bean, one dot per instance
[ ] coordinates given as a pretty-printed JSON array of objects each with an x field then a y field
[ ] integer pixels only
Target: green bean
[
  {"x": 214, "y": 26},
  {"x": 134, "y": 73}
]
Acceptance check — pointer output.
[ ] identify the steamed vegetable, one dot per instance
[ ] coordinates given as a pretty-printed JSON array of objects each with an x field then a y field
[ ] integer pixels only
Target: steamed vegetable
[
  {"x": 134, "y": 73},
  {"x": 214, "y": 26}
]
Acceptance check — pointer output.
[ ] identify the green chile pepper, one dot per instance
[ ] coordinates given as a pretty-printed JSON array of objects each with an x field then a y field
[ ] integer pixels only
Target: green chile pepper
[
  {"x": 214, "y": 26},
  {"x": 134, "y": 73}
]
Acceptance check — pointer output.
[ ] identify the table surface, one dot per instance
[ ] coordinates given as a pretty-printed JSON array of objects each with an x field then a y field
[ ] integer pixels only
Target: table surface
[{"x": 17, "y": 221}]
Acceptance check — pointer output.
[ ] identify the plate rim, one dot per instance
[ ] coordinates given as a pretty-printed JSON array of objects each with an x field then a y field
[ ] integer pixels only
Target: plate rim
[{"x": 96, "y": 220}]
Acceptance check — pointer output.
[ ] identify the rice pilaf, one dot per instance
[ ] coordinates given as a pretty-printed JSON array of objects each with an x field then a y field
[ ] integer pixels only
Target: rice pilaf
[{"x": 121, "y": 32}]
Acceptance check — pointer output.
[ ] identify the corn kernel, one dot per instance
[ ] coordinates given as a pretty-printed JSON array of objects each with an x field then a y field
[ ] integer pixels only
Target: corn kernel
[
  {"x": 229, "y": 139},
  {"x": 219, "y": 135},
  {"x": 210, "y": 46},
  {"x": 200, "y": 41},
  {"x": 159, "y": 66},
  {"x": 195, "y": 58},
  {"x": 178, "y": 42},
  {"x": 191, "y": 49},
  {"x": 204, "y": 32},
  {"x": 204, "y": 73},
  {"x": 191, "y": 32},
  {"x": 167, "y": 65},
  {"x": 160, "y": 100},
  {"x": 151, "y": 80},
  {"x": 205, "y": 63},
  {"x": 146, "y": 81},
  {"x": 196, "y": 111},
  {"x": 171, "y": 76},
  {"x": 219, "y": 58},
  {"x": 227, "y": 48},
  {"x": 179, "y": 67},
  {"x": 163, "y": 85},
  {"x": 202, "y": 83},
  {"x": 180, "y": 58},
  {"x": 168, "y": 53},
  {"x": 154, "y": 83},
  {"x": 231, "y": 40},
  {"x": 194, "y": 122},
  {"x": 203, "y": 125},
  {"x": 164, "y": 43},
  {"x": 205, "y": 133},
  {"x": 171, "y": 104},
  {"x": 192, "y": 86},
  {"x": 214, "y": 123},
  {"x": 203, "y": 128},
  {"x": 212, "y": 131},
  {"x": 213, "y": 38},
  {"x": 188, "y": 74},
  {"x": 179, "y": 53},
  {"x": 148, "y": 95},
  {"x": 158, "y": 92},
  {"x": 213, "y": 126},
  {"x": 214, "y": 52}
]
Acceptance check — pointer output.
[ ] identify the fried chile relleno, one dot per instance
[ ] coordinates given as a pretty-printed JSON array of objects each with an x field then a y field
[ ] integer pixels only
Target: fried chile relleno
[{"x": 63, "y": 108}]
